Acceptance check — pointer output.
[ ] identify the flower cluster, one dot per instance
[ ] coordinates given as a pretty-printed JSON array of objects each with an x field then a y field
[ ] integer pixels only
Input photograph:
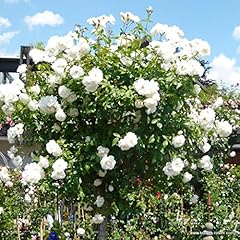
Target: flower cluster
[
  {"x": 59, "y": 167},
  {"x": 16, "y": 159},
  {"x": 178, "y": 141},
  {"x": 9, "y": 95},
  {"x": 107, "y": 162},
  {"x": 129, "y": 141},
  {"x": 32, "y": 174},
  {"x": 174, "y": 167},
  {"x": 53, "y": 148},
  {"x": 205, "y": 163},
  {"x": 118, "y": 122},
  {"x": 92, "y": 80},
  {"x": 148, "y": 89},
  {"x": 15, "y": 132},
  {"x": 99, "y": 201},
  {"x": 4, "y": 176}
]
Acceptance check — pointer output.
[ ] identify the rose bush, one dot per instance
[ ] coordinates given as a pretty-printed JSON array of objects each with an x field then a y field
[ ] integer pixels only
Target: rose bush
[{"x": 125, "y": 137}]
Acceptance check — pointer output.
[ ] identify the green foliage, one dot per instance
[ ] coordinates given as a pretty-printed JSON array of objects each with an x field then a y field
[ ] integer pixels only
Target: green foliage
[{"x": 147, "y": 194}]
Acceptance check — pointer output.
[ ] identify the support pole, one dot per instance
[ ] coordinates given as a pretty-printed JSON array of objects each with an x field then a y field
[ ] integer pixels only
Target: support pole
[{"x": 102, "y": 231}]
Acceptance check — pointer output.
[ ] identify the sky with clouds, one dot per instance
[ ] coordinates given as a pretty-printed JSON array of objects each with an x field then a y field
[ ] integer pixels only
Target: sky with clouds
[{"x": 26, "y": 22}]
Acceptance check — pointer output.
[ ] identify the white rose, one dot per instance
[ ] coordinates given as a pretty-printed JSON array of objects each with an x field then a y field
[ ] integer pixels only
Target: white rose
[
  {"x": 174, "y": 167},
  {"x": 102, "y": 173},
  {"x": 129, "y": 141},
  {"x": 54, "y": 79},
  {"x": 15, "y": 132},
  {"x": 60, "y": 115},
  {"x": 102, "y": 151},
  {"x": 17, "y": 161},
  {"x": 33, "y": 105},
  {"x": 56, "y": 175},
  {"x": 60, "y": 165},
  {"x": 223, "y": 128},
  {"x": 92, "y": 80},
  {"x": 178, "y": 141},
  {"x": 218, "y": 103},
  {"x": 12, "y": 151},
  {"x": 168, "y": 169},
  {"x": 205, "y": 163},
  {"x": 64, "y": 91},
  {"x": 151, "y": 105},
  {"x": 108, "y": 162},
  {"x": 9, "y": 184},
  {"x": 32, "y": 173},
  {"x": 206, "y": 118},
  {"x": 99, "y": 201},
  {"x": 1, "y": 210},
  {"x": 97, "y": 219},
  {"x": 8, "y": 109},
  {"x": 110, "y": 188},
  {"x": 205, "y": 147},
  {"x": 197, "y": 89},
  {"x": 24, "y": 98},
  {"x": 146, "y": 88},
  {"x": 87, "y": 139},
  {"x": 49, "y": 104},
  {"x": 4, "y": 175},
  {"x": 97, "y": 182},
  {"x": 43, "y": 162},
  {"x": 53, "y": 148},
  {"x": 76, "y": 72},
  {"x": 35, "y": 89},
  {"x": 22, "y": 68},
  {"x": 59, "y": 66},
  {"x": 187, "y": 177},
  {"x": 37, "y": 55},
  {"x": 80, "y": 231},
  {"x": 177, "y": 165},
  {"x": 67, "y": 235},
  {"x": 27, "y": 198},
  {"x": 232, "y": 154}
]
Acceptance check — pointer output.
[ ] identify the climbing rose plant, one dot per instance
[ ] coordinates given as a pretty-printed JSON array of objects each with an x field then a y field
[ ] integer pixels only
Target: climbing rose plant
[{"x": 122, "y": 134}]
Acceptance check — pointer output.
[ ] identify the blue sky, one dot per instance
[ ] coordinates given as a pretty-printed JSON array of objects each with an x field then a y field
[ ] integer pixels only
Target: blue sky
[{"x": 211, "y": 20}]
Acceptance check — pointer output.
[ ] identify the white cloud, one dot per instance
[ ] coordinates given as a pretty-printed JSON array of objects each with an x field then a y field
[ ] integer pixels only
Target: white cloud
[
  {"x": 4, "y": 22},
  {"x": 225, "y": 71},
  {"x": 236, "y": 33},
  {"x": 44, "y": 18},
  {"x": 7, "y": 36}
]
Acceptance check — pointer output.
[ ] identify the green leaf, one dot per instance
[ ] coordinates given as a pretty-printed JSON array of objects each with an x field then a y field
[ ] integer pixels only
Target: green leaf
[
  {"x": 151, "y": 139},
  {"x": 154, "y": 121},
  {"x": 165, "y": 143},
  {"x": 117, "y": 135},
  {"x": 115, "y": 141}
]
